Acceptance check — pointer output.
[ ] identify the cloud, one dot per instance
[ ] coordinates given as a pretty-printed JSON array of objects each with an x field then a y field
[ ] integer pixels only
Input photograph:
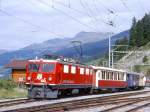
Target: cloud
[{"x": 34, "y": 21}]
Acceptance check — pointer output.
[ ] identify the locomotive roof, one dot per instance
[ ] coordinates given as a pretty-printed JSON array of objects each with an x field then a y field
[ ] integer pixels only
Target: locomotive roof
[
  {"x": 107, "y": 68},
  {"x": 60, "y": 61}
]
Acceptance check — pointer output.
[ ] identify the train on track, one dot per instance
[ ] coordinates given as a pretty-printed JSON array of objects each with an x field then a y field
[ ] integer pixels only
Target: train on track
[{"x": 50, "y": 78}]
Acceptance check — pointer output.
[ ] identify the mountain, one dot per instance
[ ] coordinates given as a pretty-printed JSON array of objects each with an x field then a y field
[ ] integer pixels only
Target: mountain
[
  {"x": 60, "y": 43},
  {"x": 2, "y": 51},
  {"x": 94, "y": 44}
]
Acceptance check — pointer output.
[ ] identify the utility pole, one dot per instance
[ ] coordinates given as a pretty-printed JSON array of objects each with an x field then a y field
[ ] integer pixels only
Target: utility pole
[
  {"x": 112, "y": 59},
  {"x": 109, "y": 49}
]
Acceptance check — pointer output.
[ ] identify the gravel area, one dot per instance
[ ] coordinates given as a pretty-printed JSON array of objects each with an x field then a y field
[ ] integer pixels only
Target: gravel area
[
  {"x": 2, "y": 100},
  {"x": 146, "y": 109},
  {"x": 37, "y": 103}
]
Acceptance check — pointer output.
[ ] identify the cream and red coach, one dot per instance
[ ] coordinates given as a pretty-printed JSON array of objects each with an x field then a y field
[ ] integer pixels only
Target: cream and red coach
[
  {"x": 108, "y": 78},
  {"x": 50, "y": 78}
]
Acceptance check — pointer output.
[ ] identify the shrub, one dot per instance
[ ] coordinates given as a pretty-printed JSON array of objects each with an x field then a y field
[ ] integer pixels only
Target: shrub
[
  {"x": 7, "y": 84},
  {"x": 145, "y": 59}
]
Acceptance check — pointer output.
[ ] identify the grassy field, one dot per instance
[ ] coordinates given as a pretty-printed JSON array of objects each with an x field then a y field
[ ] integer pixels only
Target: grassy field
[
  {"x": 9, "y": 89},
  {"x": 14, "y": 93}
]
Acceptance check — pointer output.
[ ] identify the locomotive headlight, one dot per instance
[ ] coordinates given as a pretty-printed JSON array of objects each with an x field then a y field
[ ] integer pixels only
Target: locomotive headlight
[
  {"x": 49, "y": 78},
  {"x": 28, "y": 78}
]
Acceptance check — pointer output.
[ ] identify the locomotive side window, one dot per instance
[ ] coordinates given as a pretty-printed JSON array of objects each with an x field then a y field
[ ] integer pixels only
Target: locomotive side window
[
  {"x": 82, "y": 71},
  {"x": 73, "y": 69},
  {"x": 33, "y": 67},
  {"x": 66, "y": 69},
  {"x": 91, "y": 71},
  {"x": 87, "y": 71},
  {"x": 48, "y": 67}
]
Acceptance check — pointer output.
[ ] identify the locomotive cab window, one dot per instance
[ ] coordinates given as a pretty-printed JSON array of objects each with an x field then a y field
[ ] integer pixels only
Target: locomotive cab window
[
  {"x": 48, "y": 67},
  {"x": 33, "y": 67},
  {"x": 66, "y": 69}
]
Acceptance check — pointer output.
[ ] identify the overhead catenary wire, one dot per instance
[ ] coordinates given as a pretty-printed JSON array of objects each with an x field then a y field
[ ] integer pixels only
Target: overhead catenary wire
[
  {"x": 108, "y": 9},
  {"x": 78, "y": 11},
  {"x": 73, "y": 18},
  {"x": 30, "y": 3},
  {"x": 89, "y": 15},
  {"x": 125, "y": 5},
  {"x": 141, "y": 5},
  {"x": 28, "y": 22},
  {"x": 97, "y": 10}
]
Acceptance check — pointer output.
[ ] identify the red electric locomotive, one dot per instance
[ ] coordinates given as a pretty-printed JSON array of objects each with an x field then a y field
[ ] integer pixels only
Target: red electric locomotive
[{"x": 48, "y": 78}]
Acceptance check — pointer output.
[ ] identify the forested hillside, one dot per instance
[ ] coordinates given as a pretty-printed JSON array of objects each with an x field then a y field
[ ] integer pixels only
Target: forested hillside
[
  {"x": 139, "y": 40},
  {"x": 140, "y": 32}
]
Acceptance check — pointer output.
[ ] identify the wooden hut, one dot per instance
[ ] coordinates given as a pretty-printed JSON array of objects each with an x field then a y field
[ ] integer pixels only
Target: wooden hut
[{"x": 18, "y": 68}]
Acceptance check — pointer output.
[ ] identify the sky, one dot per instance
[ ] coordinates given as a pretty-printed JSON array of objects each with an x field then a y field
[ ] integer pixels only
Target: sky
[{"x": 23, "y": 22}]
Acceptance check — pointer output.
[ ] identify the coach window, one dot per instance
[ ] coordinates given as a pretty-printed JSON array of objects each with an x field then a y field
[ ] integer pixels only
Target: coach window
[
  {"x": 115, "y": 76},
  {"x": 81, "y": 71},
  {"x": 87, "y": 71},
  {"x": 107, "y": 75},
  {"x": 122, "y": 76},
  {"x": 111, "y": 75},
  {"x": 119, "y": 76},
  {"x": 103, "y": 74},
  {"x": 66, "y": 69},
  {"x": 73, "y": 69}
]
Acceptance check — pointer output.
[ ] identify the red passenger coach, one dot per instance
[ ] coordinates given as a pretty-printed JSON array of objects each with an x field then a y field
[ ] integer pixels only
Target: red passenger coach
[
  {"x": 50, "y": 78},
  {"x": 108, "y": 78}
]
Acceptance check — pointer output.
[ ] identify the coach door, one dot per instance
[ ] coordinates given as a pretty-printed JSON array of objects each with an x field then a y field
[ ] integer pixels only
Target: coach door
[{"x": 98, "y": 77}]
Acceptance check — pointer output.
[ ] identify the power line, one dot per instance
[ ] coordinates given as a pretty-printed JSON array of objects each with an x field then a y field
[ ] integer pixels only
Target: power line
[
  {"x": 110, "y": 23},
  {"x": 139, "y": 1},
  {"x": 82, "y": 4},
  {"x": 109, "y": 10},
  {"x": 78, "y": 11},
  {"x": 28, "y": 22},
  {"x": 124, "y": 4},
  {"x": 33, "y": 4},
  {"x": 60, "y": 11}
]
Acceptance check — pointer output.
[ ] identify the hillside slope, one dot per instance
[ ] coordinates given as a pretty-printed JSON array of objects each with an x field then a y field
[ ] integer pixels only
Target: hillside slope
[{"x": 134, "y": 61}]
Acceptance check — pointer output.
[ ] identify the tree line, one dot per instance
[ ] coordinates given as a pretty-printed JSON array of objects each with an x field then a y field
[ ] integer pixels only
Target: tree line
[{"x": 140, "y": 32}]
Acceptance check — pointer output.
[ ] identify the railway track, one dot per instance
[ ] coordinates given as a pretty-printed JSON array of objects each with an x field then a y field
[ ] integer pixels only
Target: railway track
[
  {"x": 86, "y": 103},
  {"x": 129, "y": 106},
  {"x": 15, "y": 102},
  {"x": 139, "y": 107}
]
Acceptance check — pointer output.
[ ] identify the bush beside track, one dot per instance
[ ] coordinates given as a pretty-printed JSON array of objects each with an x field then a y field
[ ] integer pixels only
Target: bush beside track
[{"x": 9, "y": 89}]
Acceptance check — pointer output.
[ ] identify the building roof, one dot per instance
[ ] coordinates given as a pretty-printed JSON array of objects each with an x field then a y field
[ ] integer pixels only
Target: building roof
[{"x": 17, "y": 64}]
